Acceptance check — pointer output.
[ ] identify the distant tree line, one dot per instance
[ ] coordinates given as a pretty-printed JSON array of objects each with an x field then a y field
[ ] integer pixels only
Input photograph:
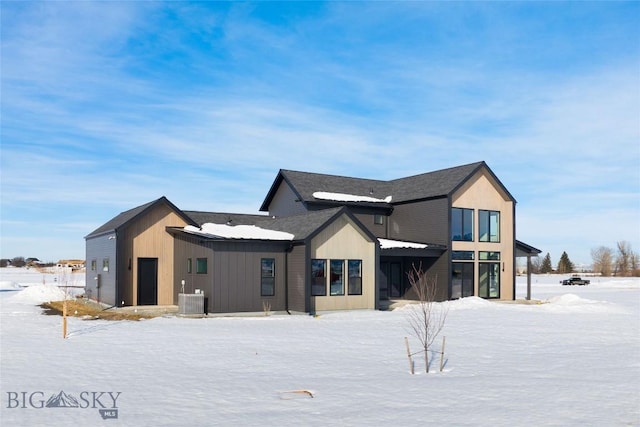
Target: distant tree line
[
  {"x": 622, "y": 261},
  {"x": 20, "y": 261}
]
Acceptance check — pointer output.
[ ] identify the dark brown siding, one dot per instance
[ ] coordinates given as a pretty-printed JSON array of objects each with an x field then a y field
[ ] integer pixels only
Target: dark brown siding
[
  {"x": 378, "y": 230},
  {"x": 232, "y": 282},
  {"x": 297, "y": 279},
  {"x": 425, "y": 222},
  {"x": 188, "y": 247}
]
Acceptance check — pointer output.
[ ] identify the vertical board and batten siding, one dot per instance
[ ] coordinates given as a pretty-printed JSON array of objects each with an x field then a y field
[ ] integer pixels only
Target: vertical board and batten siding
[
  {"x": 98, "y": 248},
  {"x": 481, "y": 192},
  {"x": 341, "y": 239},
  {"x": 378, "y": 230},
  {"x": 298, "y": 273},
  {"x": 233, "y": 279},
  {"x": 284, "y": 202},
  {"x": 186, "y": 247},
  {"x": 147, "y": 237},
  {"x": 424, "y": 221}
]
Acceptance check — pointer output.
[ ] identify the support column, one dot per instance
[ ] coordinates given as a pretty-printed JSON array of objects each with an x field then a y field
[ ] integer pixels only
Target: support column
[{"x": 528, "y": 277}]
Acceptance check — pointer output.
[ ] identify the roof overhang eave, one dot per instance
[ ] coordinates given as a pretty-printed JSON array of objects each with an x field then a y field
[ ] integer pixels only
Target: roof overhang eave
[{"x": 431, "y": 251}]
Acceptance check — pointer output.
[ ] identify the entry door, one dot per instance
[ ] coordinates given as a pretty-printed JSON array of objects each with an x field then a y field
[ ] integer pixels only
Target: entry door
[
  {"x": 391, "y": 280},
  {"x": 147, "y": 281},
  {"x": 395, "y": 279}
]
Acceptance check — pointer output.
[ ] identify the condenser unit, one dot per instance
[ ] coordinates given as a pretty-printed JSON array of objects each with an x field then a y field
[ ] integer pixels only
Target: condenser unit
[{"x": 191, "y": 304}]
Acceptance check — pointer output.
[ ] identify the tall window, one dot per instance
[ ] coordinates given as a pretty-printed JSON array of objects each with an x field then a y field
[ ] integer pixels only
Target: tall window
[
  {"x": 189, "y": 270},
  {"x": 489, "y": 284},
  {"x": 94, "y": 265},
  {"x": 318, "y": 277},
  {"x": 105, "y": 264},
  {"x": 268, "y": 280},
  {"x": 201, "y": 266},
  {"x": 461, "y": 279},
  {"x": 337, "y": 277},
  {"x": 355, "y": 277},
  {"x": 489, "y": 225},
  {"x": 462, "y": 224}
]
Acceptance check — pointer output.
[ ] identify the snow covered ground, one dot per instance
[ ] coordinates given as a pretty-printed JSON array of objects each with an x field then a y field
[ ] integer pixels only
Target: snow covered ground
[{"x": 573, "y": 361}]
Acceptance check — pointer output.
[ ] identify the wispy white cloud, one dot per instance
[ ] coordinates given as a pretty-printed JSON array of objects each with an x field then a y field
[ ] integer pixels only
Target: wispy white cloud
[{"x": 204, "y": 102}]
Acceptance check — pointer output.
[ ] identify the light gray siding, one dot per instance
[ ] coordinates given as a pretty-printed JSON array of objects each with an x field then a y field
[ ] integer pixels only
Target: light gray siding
[
  {"x": 101, "y": 284},
  {"x": 284, "y": 202}
]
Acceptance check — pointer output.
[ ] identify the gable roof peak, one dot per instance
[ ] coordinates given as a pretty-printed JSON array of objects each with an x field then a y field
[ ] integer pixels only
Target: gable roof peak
[{"x": 126, "y": 217}]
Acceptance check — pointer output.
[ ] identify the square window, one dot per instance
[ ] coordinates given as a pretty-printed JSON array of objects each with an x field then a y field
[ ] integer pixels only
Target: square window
[
  {"x": 201, "y": 266},
  {"x": 378, "y": 219}
]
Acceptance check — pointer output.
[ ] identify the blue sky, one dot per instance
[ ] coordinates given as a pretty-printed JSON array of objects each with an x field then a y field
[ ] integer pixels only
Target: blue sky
[{"x": 109, "y": 105}]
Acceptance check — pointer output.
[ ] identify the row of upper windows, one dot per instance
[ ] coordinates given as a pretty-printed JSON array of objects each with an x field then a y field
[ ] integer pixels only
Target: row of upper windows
[
  {"x": 470, "y": 256},
  {"x": 462, "y": 225}
]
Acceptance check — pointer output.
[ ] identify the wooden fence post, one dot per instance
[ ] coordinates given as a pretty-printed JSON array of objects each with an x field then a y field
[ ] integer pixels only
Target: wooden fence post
[
  {"x": 64, "y": 318},
  {"x": 442, "y": 354},
  {"x": 406, "y": 342}
]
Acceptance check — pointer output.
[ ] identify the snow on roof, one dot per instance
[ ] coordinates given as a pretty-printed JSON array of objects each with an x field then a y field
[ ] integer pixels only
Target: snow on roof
[
  {"x": 238, "y": 232},
  {"x": 390, "y": 244},
  {"x": 341, "y": 197}
]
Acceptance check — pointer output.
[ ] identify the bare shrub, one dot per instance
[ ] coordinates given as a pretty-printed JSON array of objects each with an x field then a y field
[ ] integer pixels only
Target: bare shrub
[{"x": 427, "y": 317}]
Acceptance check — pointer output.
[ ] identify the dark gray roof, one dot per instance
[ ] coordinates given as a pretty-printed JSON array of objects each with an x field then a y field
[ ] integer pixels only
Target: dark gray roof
[
  {"x": 223, "y": 218},
  {"x": 522, "y": 249},
  {"x": 303, "y": 225},
  {"x": 125, "y": 217},
  {"x": 432, "y": 184},
  {"x": 439, "y": 183}
]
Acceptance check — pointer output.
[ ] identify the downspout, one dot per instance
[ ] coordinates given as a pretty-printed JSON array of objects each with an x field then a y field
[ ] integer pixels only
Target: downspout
[
  {"x": 286, "y": 278},
  {"x": 528, "y": 277}
]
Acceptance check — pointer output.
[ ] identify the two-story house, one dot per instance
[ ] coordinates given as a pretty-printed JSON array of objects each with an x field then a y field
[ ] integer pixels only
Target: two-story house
[{"x": 327, "y": 242}]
